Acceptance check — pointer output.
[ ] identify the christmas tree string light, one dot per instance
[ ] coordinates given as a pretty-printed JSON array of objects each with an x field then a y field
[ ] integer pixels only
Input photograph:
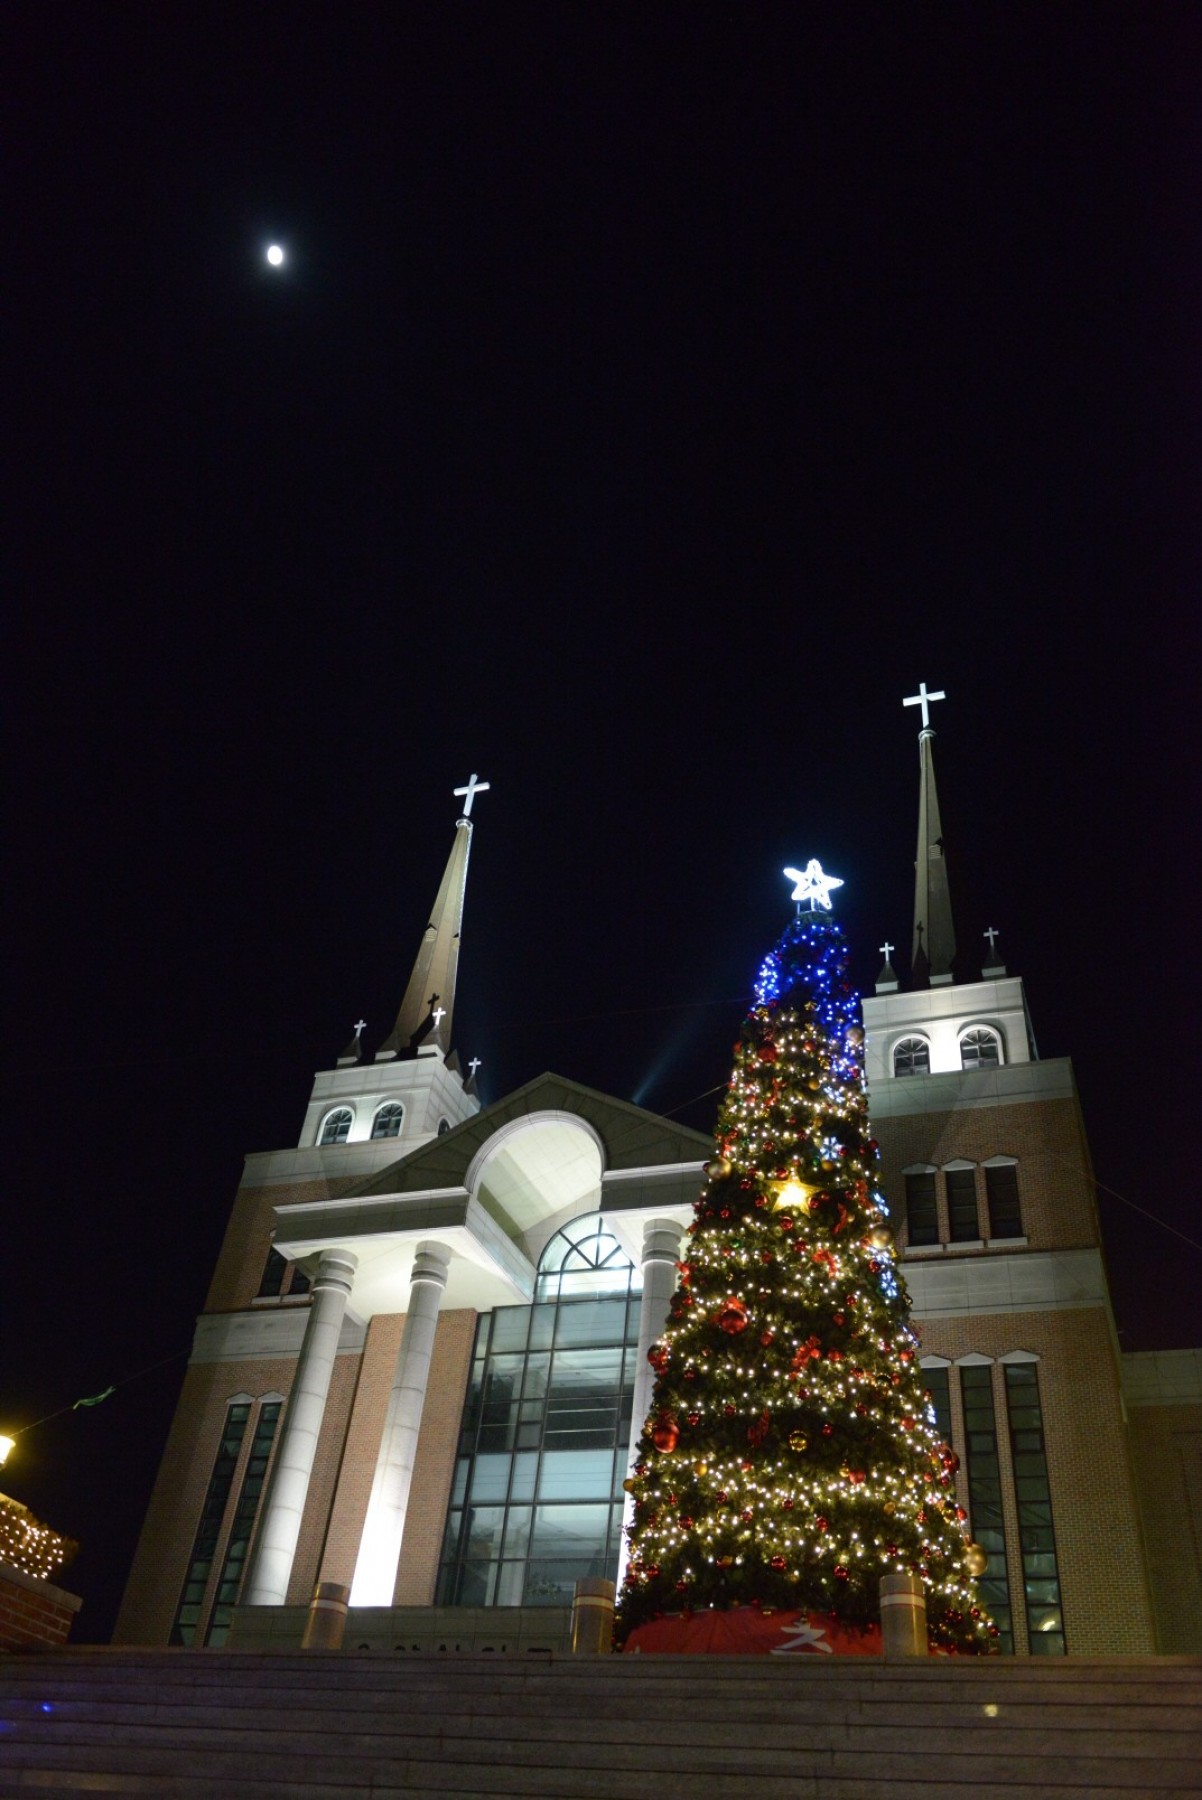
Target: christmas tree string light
[{"x": 790, "y": 1456}]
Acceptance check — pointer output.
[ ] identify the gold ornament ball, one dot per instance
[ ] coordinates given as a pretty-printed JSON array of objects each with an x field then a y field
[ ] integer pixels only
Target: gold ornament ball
[
  {"x": 630, "y": 1484},
  {"x": 699, "y": 1469},
  {"x": 976, "y": 1560},
  {"x": 880, "y": 1237},
  {"x": 717, "y": 1168},
  {"x": 855, "y": 1034},
  {"x": 798, "y": 1441}
]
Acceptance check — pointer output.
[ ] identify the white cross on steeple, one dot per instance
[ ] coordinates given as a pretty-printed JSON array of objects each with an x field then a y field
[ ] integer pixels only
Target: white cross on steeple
[
  {"x": 439, "y": 1014},
  {"x": 469, "y": 792},
  {"x": 473, "y": 1065},
  {"x": 923, "y": 698},
  {"x": 993, "y": 936},
  {"x": 360, "y": 1027},
  {"x": 887, "y": 950}
]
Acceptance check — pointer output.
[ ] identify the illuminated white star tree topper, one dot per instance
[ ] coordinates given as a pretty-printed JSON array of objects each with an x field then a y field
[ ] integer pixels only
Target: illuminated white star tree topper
[{"x": 813, "y": 885}]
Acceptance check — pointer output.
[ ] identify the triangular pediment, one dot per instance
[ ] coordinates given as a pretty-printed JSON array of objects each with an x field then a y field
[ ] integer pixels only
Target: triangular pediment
[{"x": 630, "y": 1136}]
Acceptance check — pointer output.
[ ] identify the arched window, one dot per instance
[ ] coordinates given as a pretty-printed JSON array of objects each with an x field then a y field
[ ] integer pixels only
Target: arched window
[
  {"x": 387, "y": 1122},
  {"x": 584, "y": 1258},
  {"x": 444, "y": 1125},
  {"x": 912, "y": 1057},
  {"x": 980, "y": 1048},
  {"x": 336, "y": 1126}
]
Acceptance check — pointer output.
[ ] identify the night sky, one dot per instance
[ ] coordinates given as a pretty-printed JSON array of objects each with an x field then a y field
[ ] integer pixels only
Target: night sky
[{"x": 651, "y": 397}]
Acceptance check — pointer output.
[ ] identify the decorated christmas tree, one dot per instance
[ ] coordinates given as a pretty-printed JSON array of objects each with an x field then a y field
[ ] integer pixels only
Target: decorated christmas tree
[{"x": 790, "y": 1457}]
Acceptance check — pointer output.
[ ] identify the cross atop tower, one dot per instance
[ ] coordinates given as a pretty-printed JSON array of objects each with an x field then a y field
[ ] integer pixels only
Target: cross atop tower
[
  {"x": 472, "y": 788},
  {"x": 923, "y": 698}
]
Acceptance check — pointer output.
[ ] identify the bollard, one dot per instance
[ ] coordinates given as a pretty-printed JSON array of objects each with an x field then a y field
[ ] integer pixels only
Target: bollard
[
  {"x": 592, "y": 1616},
  {"x": 903, "y": 1617},
  {"x": 327, "y": 1616}
]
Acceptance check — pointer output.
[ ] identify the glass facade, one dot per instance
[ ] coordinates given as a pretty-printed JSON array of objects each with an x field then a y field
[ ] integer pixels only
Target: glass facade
[
  {"x": 537, "y": 1498},
  {"x": 985, "y": 1495},
  {"x": 1037, "y": 1540}
]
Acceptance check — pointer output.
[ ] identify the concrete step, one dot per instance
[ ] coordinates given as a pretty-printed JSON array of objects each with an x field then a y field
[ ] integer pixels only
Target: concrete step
[{"x": 186, "y": 1724}]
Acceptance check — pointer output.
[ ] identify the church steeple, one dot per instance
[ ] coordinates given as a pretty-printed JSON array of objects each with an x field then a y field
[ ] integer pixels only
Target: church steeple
[
  {"x": 428, "y": 1007},
  {"x": 934, "y": 934}
]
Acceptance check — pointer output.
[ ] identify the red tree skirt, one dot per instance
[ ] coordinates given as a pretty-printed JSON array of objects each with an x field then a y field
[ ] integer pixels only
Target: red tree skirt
[{"x": 746, "y": 1631}]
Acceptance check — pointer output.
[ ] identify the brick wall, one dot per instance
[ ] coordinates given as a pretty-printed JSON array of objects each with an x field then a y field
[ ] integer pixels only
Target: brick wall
[
  {"x": 33, "y": 1612},
  {"x": 1167, "y": 1446},
  {"x": 434, "y": 1467},
  {"x": 165, "y": 1545},
  {"x": 1055, "y": 1175},
  {"x": 247, "y": 1240},
  {"x": 353, "y": 1489},
  {"x": 1107, "y": 1610}
]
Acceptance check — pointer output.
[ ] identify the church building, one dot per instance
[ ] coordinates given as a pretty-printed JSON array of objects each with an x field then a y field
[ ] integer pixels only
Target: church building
[{"x": 426, "y": 1335}]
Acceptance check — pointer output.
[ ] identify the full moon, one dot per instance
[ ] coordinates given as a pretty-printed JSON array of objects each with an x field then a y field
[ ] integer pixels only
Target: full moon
[{"x": 275, "y": 255}]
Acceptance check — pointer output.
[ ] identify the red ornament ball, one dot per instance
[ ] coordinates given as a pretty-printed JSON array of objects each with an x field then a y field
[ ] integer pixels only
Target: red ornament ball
[
  {"x": 665, "y": 1433},
  {"x": 776, "y": 1562},
  {"x": 731, "y": 1316}
]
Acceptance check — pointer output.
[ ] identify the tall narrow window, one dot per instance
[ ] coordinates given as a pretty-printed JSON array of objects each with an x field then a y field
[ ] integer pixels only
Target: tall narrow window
[
  {"x": 912, "y": 1057},
  {"x": 1037, "y": 1540},
  {"x": 980, "y": 1049},
  {"x": 939, "y": 1388},
  {"x": 985, "y": 1495},
  {"x": 922, "y": 1219},
  {"x": 187, "y": 1613},
  {"x": 963, "y": 1225},
  {"x": 273, "y": 1275},
  {"x": 336, "y": 1127},
  {"x": 244, "y": 1519},
  {"x": 387, "y": 1122},
  {"x": 281, "y": 1276},
  {"x": 1001, "y": 1195}
]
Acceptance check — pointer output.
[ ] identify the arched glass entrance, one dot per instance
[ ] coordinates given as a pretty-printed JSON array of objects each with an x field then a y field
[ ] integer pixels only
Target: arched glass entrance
[{"x": 537, "y": 1497}]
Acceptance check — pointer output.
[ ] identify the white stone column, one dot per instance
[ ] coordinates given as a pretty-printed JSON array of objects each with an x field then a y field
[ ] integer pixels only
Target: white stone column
[
  {"x": 288, "y": 1488},
  {"x": 384, "y": 1527},
  {"x": 661, "y": 1252}
]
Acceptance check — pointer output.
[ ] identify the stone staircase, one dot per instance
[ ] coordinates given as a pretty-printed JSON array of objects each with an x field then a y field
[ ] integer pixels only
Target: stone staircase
[{"x": 194, "y": 1725}]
